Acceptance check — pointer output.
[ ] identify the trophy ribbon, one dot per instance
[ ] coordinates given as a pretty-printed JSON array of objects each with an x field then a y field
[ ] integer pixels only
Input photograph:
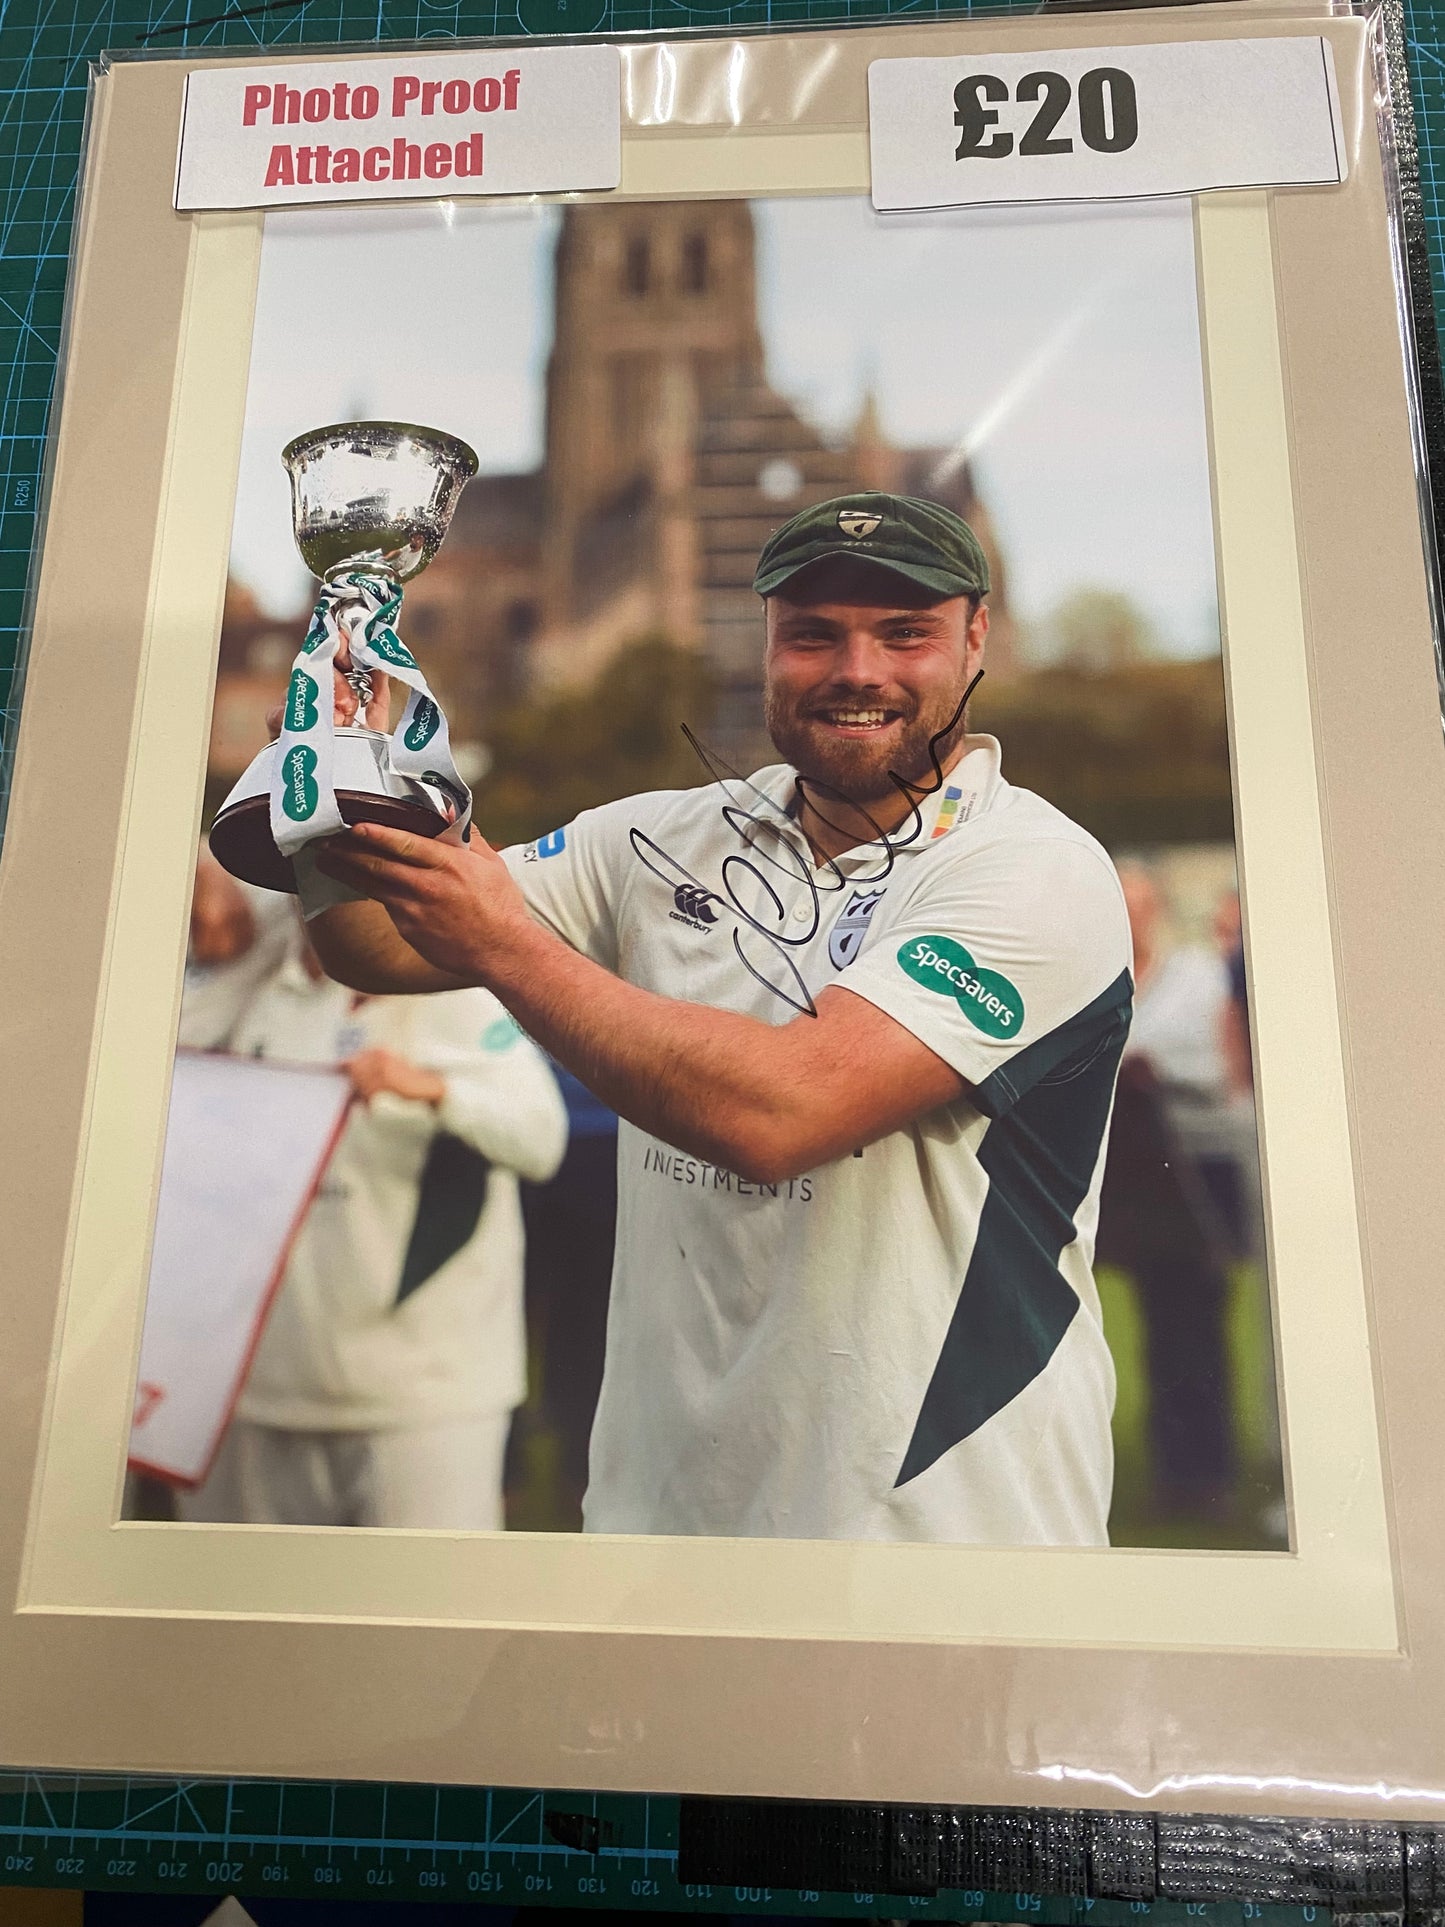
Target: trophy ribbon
[{"x": 359, "y": 606}]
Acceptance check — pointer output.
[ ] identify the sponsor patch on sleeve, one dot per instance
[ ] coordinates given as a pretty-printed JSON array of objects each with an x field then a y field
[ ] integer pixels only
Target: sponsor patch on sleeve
[
  {"x": 501, "y": 1034},
  {"x": 987, "y": 999},
  {"x": 552, "y": 844}
]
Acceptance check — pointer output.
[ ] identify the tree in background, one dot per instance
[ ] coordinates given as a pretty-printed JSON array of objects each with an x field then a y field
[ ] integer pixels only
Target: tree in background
[
  {"x": 1138, "y": 754},
  {"x": 1100, "y": 630},
  {"x": 554, "y": 755}
]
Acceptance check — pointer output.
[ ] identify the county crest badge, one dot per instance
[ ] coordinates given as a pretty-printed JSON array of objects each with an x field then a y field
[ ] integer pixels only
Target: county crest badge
[
  {"x": 852, "y": 927},
  {"x": 857, "y": 523}
]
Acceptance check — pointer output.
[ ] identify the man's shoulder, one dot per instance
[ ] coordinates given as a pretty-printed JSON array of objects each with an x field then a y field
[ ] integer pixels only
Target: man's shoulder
[
  {"x": 1024, "y": 830},
  {"x": 599, "y": 825},
  {"x": 1026, "y": 870}
]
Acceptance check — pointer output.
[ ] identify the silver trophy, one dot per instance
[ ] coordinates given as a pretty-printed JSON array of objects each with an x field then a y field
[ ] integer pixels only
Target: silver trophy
[{"x": 371, "y": 504}]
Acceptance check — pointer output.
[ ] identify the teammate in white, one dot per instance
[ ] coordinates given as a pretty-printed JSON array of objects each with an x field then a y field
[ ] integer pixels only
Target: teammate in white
[{"x": 862, "y": 1017}]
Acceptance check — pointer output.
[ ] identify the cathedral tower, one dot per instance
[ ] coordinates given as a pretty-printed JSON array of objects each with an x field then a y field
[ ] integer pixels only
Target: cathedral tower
[{"x": 655, "y": 302}]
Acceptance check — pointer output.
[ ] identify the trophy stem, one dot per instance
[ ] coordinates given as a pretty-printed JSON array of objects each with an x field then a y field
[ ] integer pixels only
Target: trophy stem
[
  {"x": 360, "y": 679},
  {"x": 372, "y": 566}
]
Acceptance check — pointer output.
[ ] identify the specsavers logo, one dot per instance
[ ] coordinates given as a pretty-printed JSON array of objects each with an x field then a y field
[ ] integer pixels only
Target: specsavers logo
[
  {"x": 501, "y": 1034},
  {"x": 299, "y": 794},
  {"x": 301, "y": 702},
  {"x": 423, "y": 725},
  {"x": 989, "y": 1001},
  {"x": 390, "y": 647}
]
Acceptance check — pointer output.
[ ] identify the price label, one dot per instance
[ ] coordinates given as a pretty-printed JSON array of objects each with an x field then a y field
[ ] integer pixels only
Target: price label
[{"x": 1105, "y": 123}]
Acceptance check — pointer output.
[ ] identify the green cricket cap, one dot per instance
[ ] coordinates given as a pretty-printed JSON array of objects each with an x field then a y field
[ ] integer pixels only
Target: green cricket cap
[{"x": 924, "y": 542}]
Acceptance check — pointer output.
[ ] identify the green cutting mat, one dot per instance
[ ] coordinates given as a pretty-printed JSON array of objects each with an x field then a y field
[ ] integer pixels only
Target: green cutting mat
[
  {"x": 386, "y": 1843},
  {"x": 488, "y": 1848}
]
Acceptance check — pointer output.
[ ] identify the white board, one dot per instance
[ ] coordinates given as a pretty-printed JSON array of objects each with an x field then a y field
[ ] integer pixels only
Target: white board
[{"x": 246, "y": 1144}]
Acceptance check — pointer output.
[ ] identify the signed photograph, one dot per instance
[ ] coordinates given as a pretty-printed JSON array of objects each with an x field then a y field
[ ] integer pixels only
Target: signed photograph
[
  {"x": 715, "y": 1102},
  {"x": 774, "y": 1058}
]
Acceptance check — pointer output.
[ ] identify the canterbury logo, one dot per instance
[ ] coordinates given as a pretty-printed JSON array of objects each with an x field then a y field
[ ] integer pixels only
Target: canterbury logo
[{"x": 694, "y": 903}]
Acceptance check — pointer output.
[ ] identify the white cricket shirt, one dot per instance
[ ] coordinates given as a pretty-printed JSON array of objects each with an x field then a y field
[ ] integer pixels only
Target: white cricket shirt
[
  {"x": 903, "y": 1344},
  {"x": 352, "y": 1344}
]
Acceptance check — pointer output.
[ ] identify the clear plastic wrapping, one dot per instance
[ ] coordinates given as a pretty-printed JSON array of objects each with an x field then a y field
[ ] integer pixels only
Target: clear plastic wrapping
[{"x": 877, "y": 1252}]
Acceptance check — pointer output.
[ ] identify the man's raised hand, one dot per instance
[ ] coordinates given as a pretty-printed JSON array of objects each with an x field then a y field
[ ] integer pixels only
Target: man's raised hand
[
  {"x": 375, "y": 1071},
  {"x": 377, "y": 714},
  {"x": 454, "y": 903}
]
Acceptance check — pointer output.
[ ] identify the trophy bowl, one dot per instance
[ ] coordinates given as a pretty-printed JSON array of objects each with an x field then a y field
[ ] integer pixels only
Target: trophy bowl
[
  {"x": 377, "y": 496},
  {"x": 380, "y": 494}
]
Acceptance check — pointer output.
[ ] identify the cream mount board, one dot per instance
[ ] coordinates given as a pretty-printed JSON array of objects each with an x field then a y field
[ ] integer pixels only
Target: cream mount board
[{"x": 750, "y": 1666}]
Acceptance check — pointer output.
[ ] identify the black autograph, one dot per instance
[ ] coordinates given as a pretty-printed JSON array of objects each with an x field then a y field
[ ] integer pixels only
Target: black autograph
[{"x": 786, "y": 857}]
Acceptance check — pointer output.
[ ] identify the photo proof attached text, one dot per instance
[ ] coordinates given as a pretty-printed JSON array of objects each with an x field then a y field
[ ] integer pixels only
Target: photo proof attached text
[
  {"x": 346, "y": 156},
  {"x": 524, "y": 120}
]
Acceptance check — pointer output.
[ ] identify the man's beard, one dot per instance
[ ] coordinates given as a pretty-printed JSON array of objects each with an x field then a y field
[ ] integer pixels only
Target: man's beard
[{"x": 862, "y": 769}]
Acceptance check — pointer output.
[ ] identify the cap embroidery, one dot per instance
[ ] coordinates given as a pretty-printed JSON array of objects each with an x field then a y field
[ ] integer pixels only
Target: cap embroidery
[{"x": 857, "y": 524}]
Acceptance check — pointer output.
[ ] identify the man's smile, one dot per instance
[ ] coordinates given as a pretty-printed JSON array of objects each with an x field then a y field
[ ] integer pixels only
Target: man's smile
[{"x": 855, "y": 719}]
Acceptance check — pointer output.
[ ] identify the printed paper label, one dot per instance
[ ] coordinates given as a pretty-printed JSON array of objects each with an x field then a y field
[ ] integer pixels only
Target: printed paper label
[
  {"x": 426, "y": 126},
  {"x": 1104, "y": 123}
]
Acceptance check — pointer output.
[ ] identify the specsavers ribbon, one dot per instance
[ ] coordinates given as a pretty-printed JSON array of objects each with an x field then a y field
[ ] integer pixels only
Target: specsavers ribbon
[{"x": 359, "y": 607}]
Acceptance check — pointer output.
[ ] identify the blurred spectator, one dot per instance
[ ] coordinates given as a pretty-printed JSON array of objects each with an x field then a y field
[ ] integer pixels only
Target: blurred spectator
[
  {"x": 1243, "y": 1204},
  {"x": 1157, "y": 1220},
  {"x": 1239, "y": 1072},
  {"x": 238, "y": 936},
  {"x": 1182, "y": 1001},
  {"x": 571, "y": 1229},
  {"x": 1238, "y": 1050},
  {"x": 383, "y": 1386}
]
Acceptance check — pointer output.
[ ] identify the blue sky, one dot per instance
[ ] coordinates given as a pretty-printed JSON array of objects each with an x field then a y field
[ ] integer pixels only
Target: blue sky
[{"x": 1057, "y": 348}]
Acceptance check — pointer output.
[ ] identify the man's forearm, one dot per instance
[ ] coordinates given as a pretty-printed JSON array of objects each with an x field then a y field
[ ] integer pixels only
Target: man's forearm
[
  {"x": 767, "y": 1101},
  {"x": 360, "y": 946},
  {"x": 708, "y": 1081}
]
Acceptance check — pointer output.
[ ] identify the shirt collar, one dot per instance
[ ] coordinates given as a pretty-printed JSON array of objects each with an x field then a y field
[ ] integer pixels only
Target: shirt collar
[{"x": 973, "y": 784}]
